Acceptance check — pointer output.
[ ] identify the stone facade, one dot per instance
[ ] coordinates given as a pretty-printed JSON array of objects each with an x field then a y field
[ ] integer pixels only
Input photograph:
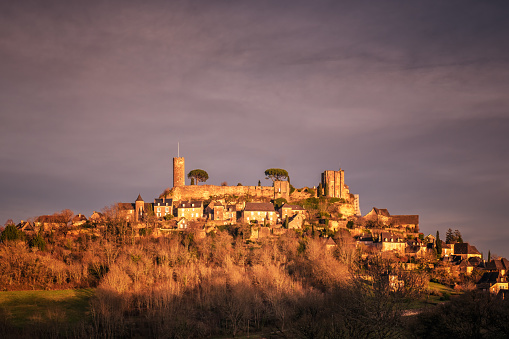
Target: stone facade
[
  {"x": 190, "y": 210},
  {"x": 259, "y": 212},
  {"x": 163, "y": 207},
  {"x": 179, "y": 172},
  {"x": 281, "y": 189},
  {"x": 204, "y": 192},
  {"x": 333, "y": 183}
]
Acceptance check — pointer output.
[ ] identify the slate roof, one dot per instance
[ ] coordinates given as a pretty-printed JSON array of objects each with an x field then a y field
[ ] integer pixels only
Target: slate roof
[
  {"x": 406, "y": 219},
  {"x": 381, "y": 211},
  {"x": 259, "y": 207},
  {"x": 139, "y": 198},
  {"x": 389, "y": 236},
  {"x": 51, "y": 219},
  {"x": 465, "y": 248},
  {"x": 191, "y": 204},
  {"x": 79, "y": 217},
  {"x": 126, "y": 206},
  {"x": 163, "y": 202},
  {"x": 489, "y": 277},
  {"x": 498, "y": 264}
]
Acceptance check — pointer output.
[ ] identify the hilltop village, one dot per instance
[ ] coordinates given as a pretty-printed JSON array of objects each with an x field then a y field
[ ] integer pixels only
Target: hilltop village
[
  {"x": 208, "y": 261},
  {"x": 328, "y": 211}
]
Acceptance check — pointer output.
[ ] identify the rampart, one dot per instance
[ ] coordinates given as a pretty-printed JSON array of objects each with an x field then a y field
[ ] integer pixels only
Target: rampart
[{"x": 203, "y": 192}]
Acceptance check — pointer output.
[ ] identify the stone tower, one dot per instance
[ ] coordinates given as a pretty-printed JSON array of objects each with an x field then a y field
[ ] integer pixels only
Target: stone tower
[
  {"x": 281, "y": 189},
  {"x": 139, "y": 208},
  {"x": 179, "y": 172},
  {"x": 333, "y": 183}
]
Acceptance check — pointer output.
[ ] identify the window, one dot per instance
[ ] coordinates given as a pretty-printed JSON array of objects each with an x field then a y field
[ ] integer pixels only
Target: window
[
  {"x": 167, "y": 209},
  {"x": 159, "y": 209}
]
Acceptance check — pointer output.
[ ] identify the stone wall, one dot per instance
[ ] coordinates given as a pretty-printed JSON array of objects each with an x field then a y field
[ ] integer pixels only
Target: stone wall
[{"x": 203, "y": 192}]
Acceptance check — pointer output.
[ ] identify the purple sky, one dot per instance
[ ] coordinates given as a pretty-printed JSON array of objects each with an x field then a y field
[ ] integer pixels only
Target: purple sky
[{"x": 410, "y": 98}]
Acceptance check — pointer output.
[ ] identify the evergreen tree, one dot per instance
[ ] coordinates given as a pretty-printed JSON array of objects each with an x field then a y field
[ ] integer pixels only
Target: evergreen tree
[
  {"x": 457, "y": 236},
  {"x": 438, "y": 245},
  {"x": 320, "y": 189},
  {"x": 489, "y": 256},
  {"x": 449, "y": 237}
]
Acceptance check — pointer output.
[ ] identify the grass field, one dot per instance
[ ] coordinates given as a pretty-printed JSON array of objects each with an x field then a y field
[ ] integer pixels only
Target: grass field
[{"x": 20, "y": 308}]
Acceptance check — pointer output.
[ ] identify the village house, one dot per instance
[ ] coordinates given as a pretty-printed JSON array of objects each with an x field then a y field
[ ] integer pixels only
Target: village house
[
  {"x": 48, "y": 222},
  {"x": 465, "y": 251},
  {"x": 26, "y": 227},
  {"x": 382, "y": 217},
  {"x": 163, "y": 207},
  {"x": 289, "y": 211},
  {"x": 391, "y": 242},
  {"x": 78, "y": 220},
  {"x": 260, "y": 213},
  {"x": 191, "y": 210},
  {"x": 96, "y": 217}
]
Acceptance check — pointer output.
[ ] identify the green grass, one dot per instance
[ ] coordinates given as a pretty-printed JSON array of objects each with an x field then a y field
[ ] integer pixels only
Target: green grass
[{"x": 64, "y": 306}]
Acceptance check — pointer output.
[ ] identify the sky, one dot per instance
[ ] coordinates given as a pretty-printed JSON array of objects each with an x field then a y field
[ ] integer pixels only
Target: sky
[{"x": 410, "y": 98}]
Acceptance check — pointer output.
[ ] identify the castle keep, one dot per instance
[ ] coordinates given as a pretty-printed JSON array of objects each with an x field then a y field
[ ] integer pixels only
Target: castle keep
[
  {"x": 179, "y": 172},
  {"x": 333, "y": 183}
]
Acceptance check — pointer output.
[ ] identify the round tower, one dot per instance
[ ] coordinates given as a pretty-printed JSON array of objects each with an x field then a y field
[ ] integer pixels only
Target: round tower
[
  {"x": 139, "y": 206},
  {"x": 179, "y": 172}
]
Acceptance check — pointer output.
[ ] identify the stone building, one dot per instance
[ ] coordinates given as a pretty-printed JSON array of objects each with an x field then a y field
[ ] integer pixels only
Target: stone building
[
  {"x": 191, "y": 210},
  {"x": 382, "y": 217},
  {"x": 289, "y": 211},
  {"x": 163, "y": 207},
  {"x": 281, "y": 189},
  {"x": 259, "y": 212},
  {"x": 334, "y": 186}
]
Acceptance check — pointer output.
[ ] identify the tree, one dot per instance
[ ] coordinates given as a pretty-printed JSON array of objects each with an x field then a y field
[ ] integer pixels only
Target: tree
[
  {"x": 320, "y": 190},
  {"x": 438, "y": 245},
  {"x": 457, "y": 236},
  {"x": 276, "y": 174},
  {"x": 489, "y": 256},
  {"x": 449, "y": 237},
  {"x": 198, "y": 175},
  {"x": 259, "y": 183},
  {"x": 11, "y": 233}
]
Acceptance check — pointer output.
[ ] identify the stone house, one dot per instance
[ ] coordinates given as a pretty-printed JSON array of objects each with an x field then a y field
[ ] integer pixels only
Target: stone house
[
  {"x": 27, "y": 227},
  {"x": 382, "y": 217},
  {"x": 465, "y": 251},
  {"x": 191, "y": 210},
  {"x": 260, "y": 213},
  {"x": 493, "y": 282},
  {"x": 78, "y": 220},
  {"x": 416, "y": 247},
  {"x": 47, "y": 222},
  {"x": 163, "y": 207},
  {"x": 391, "y": 242},
  {"x": 96, "y": 217},
  {"x": 290, "y": 211}
]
